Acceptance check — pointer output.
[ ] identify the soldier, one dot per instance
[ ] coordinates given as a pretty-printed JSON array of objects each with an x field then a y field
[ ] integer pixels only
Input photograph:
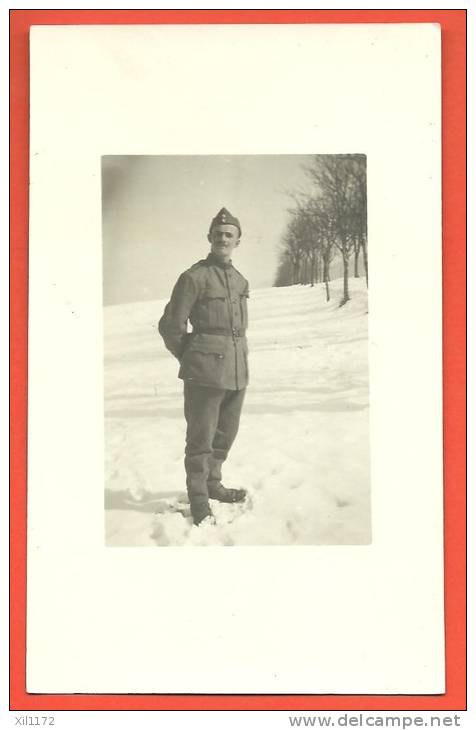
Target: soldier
[{"x": 212, "y": 296}]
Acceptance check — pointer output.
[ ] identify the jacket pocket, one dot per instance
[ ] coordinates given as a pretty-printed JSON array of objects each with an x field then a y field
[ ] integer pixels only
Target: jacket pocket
[
  {"x": 203, "y": 361},
  {"x": 213, "y": 307}
]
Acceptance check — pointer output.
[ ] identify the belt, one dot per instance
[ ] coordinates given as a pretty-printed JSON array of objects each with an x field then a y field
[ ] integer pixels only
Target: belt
[{"x": 233, "y": 332}]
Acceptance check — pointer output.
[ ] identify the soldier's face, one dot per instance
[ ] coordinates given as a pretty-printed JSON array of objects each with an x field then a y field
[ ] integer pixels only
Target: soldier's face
[{"x": 224, "y": 238}]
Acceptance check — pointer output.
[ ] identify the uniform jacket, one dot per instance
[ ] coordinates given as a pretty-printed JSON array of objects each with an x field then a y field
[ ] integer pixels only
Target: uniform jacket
[{"x": 213, "y": 297}]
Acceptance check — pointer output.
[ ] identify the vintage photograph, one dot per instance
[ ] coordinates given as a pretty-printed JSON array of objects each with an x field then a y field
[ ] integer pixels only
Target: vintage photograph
[{"x": 236, "y": 390}]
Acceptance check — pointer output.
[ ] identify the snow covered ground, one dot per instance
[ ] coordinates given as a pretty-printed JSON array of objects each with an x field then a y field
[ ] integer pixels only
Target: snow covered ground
[{"x": 302, "y": 451}]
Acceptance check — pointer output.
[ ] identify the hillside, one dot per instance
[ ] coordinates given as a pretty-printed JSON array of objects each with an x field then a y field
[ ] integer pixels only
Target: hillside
[{"x": 302, "y": 450}]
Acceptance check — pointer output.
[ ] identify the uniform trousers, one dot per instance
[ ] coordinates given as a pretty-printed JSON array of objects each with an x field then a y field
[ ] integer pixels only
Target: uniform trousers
[{"x": 213, "y": 418}]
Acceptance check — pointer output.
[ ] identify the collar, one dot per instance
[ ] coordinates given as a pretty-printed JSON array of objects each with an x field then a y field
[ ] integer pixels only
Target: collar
[{"x": 214, "y": 261}]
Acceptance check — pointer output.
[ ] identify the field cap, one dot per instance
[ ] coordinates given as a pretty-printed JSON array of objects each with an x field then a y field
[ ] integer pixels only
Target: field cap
[{"x": 224, "y": 217}]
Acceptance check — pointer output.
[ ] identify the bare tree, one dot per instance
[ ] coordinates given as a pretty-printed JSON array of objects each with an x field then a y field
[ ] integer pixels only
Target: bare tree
[
  {"x": 321, "y": 222},
  {"x": 335, "y": 177},
  {"x": 284, "y": 274},
  {"x": 294, "y": 249},
  {"x": 332, "y": 216},
  {"x": 329, "y": 234},
  {"x": 357, "y": 247},
  {"x": 308, "y": 232},
  {"x": 358, "y": 169}
]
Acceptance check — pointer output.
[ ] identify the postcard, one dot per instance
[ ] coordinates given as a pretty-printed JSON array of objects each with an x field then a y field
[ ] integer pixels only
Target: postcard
[{"x": 235, "y": 360}]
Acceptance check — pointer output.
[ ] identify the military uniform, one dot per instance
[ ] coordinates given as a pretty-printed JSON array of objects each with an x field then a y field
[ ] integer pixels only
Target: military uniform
[{"x": 212, "y": 297}]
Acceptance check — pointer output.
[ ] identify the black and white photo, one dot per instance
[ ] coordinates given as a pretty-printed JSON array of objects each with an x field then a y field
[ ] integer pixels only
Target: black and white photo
[{"x": 285, "y": 341}]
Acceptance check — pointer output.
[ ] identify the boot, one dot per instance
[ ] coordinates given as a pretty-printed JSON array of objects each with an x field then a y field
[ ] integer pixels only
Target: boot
[
  {"x": 201, "y": 511},
  {"x": 222, "y": 494}
]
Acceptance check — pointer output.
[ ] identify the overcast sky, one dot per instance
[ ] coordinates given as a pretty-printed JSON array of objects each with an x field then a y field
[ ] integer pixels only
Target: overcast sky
[{"x": 157, "y": 211}]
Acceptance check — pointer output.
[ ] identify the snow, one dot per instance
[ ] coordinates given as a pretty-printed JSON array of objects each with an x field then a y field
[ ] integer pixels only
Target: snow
[{"x": 302, "y": 451}]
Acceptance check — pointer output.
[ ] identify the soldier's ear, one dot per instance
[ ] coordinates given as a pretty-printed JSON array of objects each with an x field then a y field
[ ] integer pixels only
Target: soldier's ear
[{"x": 209, "y": 238}]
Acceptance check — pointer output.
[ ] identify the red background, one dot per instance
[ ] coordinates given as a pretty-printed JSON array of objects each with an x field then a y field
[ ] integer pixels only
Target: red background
[{"x": 453, "y": 25}]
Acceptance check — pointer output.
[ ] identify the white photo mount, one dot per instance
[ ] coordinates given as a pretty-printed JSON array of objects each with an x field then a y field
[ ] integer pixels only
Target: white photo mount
[{"x": 320, "y": 620}]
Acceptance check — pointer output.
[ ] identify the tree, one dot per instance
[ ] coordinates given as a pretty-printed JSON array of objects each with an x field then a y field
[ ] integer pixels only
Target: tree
[
  {"x": 338, "y": 181},
  {"x": 359, "y": 176},
  {"x": 307, "y": 230},
  {"x": 293, "y": 249},
  {"x": 331, "y": 216},
  {"x": 327, "y": 226},
  {"x": 284, "y": 272},
  {"x": 320, "y": 226}
]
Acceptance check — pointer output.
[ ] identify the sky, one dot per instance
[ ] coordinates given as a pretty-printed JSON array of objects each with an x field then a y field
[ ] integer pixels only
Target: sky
[{"x": 157, "y": 211}]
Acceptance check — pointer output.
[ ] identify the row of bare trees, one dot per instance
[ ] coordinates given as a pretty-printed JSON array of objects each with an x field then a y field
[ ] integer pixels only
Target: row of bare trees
[{"x": 330, "y": 219}]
